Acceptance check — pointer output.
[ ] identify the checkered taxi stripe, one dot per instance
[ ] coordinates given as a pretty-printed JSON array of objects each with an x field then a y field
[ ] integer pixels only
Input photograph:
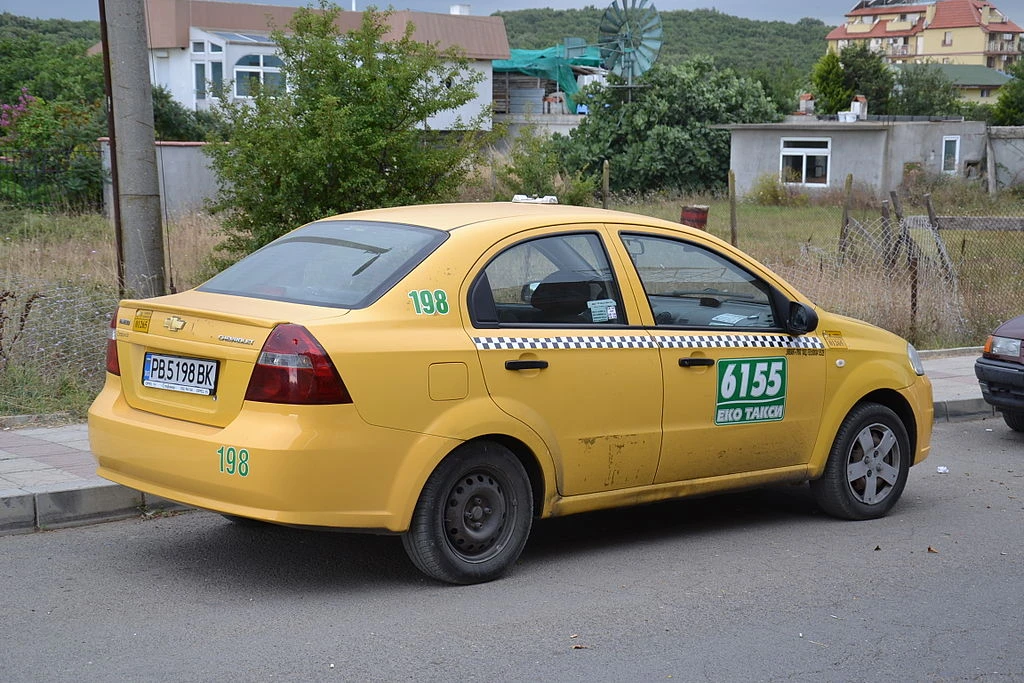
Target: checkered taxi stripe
[{"x": 689, "y": 341}]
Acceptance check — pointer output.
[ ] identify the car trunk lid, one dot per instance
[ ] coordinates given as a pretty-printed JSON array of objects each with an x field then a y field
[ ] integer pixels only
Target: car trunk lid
[{"x": 190, "y": 356}]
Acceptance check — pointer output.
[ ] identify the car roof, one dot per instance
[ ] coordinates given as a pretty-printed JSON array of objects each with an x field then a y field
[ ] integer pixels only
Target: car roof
[{"x": 453, "y": 216}]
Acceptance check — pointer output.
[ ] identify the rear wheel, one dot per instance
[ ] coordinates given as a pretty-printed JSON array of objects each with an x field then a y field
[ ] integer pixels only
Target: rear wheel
[
  {"x": 1014, "y": 419},
  {"x": 473, "y": 516},
  {"x": 867, "y": 466}
]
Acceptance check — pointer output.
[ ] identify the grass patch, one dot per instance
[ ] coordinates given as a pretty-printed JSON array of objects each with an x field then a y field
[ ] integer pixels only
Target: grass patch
[{"x": 36, "y": 391}]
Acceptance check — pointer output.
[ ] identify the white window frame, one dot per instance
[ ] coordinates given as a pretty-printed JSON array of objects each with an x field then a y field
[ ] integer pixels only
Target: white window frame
[
  {"x": 261, "y": 71},
  {"x": 210, "y": 85},
  {"x": 956, "y": 154},
  {"x": 795, "y": 150}
]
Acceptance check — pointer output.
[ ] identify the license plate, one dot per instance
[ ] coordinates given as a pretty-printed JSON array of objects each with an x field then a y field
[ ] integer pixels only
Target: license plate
[{"x": 174, "y": 373}]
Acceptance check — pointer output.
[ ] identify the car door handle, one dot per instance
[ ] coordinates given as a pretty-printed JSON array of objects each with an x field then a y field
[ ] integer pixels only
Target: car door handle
[
  {"x": 693, "y": 362},
  {"x": 525, "y": 364}
]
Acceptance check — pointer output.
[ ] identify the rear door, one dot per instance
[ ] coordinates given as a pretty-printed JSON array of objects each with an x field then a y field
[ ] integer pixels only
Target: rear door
[{"x": 558, "y": 352}]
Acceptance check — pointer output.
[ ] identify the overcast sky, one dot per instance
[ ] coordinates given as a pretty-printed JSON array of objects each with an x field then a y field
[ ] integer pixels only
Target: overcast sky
[{"x": 829, "y": 11}]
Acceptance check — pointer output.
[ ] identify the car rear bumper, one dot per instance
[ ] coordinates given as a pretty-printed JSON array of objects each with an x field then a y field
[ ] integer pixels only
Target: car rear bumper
[
  {"x": 308, "y": 465},
  {"x": 1002, "y": 383}
]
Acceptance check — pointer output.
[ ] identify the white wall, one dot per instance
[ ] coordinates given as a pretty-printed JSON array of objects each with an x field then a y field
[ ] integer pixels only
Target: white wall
[{"x": 484, "y": 95}]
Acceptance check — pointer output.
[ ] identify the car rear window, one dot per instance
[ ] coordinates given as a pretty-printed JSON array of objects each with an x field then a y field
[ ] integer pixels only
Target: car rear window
[{"x": 340, "y": 264}]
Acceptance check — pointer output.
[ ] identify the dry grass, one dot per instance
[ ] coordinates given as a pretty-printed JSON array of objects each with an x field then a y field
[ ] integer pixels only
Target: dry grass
[{"x": 82, "y": 248}]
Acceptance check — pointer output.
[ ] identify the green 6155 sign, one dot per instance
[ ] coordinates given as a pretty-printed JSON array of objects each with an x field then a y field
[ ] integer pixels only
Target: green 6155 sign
[{"x": 751, "y": 390}]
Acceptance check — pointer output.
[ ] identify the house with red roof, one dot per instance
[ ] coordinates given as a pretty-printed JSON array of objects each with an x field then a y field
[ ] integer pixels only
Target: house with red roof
[
  {"x": 200, "y": 50},
  {"x": 942, "y": 31}
]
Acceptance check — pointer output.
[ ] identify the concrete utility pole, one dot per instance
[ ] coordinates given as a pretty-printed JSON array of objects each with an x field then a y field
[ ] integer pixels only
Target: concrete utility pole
[{"x": 138, "y": 191}]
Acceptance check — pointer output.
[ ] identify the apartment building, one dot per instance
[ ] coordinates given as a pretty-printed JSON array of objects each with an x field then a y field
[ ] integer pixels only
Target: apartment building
[{"x": 942, "y": 31}]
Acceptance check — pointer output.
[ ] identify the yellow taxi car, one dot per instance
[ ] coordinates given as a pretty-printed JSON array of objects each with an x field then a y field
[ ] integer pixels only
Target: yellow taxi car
[{"x": 452, "y": 372}]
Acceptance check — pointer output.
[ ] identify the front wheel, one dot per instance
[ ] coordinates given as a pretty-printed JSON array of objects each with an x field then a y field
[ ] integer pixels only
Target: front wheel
[
  {"x": 867, "y": 466},
  {"x": 1014, "y": 419},
  {"x": 473, "y": 516}
]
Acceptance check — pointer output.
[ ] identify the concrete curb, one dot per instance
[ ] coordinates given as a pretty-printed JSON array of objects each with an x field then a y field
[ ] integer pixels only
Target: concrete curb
[
  {"x": 86, "y": 503},
  {"x": 963, "y": 409}
]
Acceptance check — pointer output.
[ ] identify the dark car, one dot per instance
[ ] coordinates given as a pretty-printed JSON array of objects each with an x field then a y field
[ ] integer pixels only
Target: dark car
[{"x": 1000, "y": 372}]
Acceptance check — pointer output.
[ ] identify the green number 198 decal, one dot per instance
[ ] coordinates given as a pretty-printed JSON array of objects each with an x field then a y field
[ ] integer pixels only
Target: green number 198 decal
[
  {"x": 429, "y": 302},
  {"x": 234, "y": 461},
  {"x": 751, "y": 390}
]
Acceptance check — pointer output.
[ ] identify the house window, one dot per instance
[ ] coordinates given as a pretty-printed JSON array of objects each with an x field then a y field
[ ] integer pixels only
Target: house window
[
  {"x": 262, "y": 69},
  {"x": 985, "y": 92},
  {"x": 950, "y": 153},
  {"x": 805, "y": 161},
  {"x": 198, "y": 46},
  {"x": 200, "y": 80},
  {"x": 216, "y": 79},
  {"x": 214, "y": 47},
  {"x": 947, "y": 39}
]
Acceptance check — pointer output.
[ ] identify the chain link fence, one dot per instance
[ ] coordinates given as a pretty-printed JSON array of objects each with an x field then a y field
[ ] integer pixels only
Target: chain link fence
[
  {"x": 940, "y": 281},
  {"x": 52, "y": 341}
]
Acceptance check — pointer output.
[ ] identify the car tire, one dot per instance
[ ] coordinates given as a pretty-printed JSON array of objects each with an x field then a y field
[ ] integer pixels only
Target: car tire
[
  {"x": 1014, "y": 419},
  {"x": 867, "y": 466},
  {"x": 473, "y": 516}
]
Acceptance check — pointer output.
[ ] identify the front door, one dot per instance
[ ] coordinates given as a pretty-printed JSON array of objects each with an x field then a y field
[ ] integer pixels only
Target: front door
[
  {"x": 741, "y": 395},
  {"x": 557, "y": 353}
]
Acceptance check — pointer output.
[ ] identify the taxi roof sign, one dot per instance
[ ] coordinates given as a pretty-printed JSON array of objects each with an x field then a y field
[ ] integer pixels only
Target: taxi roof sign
[{"x": 527, "y": 199}]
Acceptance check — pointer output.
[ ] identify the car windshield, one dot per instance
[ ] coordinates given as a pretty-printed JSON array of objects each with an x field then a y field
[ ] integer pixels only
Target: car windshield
[{"x": 340, "y": 264}]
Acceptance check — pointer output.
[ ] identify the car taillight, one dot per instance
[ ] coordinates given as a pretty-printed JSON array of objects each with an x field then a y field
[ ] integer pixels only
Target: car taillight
[
  {"x": 294, "y": 368},
  {"x": 113, "y": 364}
]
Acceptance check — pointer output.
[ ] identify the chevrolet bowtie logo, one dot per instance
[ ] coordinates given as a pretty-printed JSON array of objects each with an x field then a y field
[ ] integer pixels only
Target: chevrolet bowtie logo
[{"x": 174, "y": 323}]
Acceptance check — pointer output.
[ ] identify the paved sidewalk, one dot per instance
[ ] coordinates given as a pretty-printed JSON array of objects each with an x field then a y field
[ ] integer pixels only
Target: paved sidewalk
[{"x": 48, "y": 480}]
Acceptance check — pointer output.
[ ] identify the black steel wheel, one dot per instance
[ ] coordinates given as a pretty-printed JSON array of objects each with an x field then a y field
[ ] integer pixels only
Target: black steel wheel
[
  {"x": 473, "y": 516},
  {"x": 868, "y": 465}
]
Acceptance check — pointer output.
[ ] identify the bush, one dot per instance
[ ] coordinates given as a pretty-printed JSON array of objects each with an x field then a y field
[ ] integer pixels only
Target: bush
[
  {"x": 50, "y": 155},
  {"x": 533, "y": 169},
  {"x": 770, "y": 191}
]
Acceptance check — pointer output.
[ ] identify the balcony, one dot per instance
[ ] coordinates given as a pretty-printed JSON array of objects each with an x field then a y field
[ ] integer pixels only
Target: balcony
[
  {"x": 900, "y": 51},
  {"x": 1003, "y": 47}
]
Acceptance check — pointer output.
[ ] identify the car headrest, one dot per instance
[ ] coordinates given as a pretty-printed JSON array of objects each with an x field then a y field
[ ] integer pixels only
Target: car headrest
[{"x": 563, "y": 293}]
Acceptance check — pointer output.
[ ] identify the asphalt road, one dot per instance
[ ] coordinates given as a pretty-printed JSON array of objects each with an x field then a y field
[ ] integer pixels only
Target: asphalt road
[{"x": 755, "y": 586}]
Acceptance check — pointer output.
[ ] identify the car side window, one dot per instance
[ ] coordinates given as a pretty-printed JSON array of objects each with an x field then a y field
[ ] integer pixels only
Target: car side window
[
  {"x": 688, "y": 285},
  {"x": 556, "y": 280}
]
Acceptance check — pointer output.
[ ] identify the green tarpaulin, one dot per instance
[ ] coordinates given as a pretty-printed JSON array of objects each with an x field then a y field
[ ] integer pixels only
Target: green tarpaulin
[{"x": 552, "y": 64}]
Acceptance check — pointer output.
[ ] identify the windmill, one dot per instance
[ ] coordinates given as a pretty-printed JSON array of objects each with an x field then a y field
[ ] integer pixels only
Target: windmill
[{"x": 630, "y": 38}]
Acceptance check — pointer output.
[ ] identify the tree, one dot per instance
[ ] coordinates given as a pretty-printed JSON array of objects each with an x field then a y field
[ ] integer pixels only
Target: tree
[
  {"x": 924, "y": 90},
  {"x": 51, "y": 70},
  {"x": 349, "y": 132},
  {"x": 783, "y": 83},
  {"x": 828, "y": 83},
  {"x": 866, "y": 73},
  {"x": 663, "y": 134},
  {"x": 1009, "y": 107}
]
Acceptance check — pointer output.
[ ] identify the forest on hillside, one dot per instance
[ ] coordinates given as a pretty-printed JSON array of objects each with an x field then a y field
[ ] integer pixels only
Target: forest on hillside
[{"x": 746, "y": 45}]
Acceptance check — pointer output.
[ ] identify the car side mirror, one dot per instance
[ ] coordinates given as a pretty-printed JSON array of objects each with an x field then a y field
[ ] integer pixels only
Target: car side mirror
[
  {"x": 802, "y": 318},
  {"x": 526, "y": 293}
]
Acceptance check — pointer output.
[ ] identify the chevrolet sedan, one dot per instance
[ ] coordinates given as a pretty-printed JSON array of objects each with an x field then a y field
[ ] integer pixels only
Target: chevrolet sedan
[{"x": 450, "y": 373}]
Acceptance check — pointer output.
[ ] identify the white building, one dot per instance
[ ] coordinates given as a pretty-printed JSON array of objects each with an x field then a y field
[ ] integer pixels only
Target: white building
[{"x": 193, "y": 43}]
